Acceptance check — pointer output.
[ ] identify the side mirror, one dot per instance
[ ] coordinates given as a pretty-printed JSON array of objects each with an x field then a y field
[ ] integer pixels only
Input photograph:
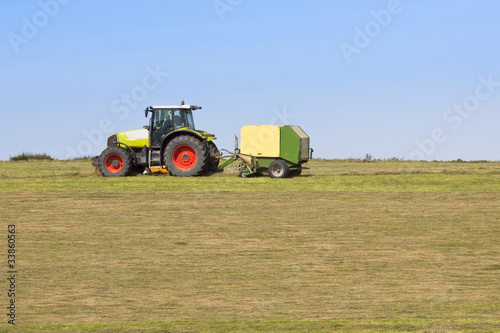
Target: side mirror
[{"x": 148, "y": 109}]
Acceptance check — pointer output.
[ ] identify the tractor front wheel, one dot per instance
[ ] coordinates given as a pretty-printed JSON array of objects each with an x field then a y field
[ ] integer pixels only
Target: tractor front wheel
[
  {"x": 186, "y": 156},
  {"x": 115, "y": 162},
  {"x": 278, "y": 169}
]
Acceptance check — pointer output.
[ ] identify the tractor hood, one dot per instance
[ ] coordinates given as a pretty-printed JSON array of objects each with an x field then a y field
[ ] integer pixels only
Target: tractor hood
[{"x": 134, "y": 139}]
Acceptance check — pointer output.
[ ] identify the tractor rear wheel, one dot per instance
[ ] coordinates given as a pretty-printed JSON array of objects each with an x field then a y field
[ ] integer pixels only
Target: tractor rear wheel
[
  {"x": 115, "y": 162},
  {"x": 186, "y": 156},
  {"x": 213, "y": 163},
  {"x": 278, "y": 169}
]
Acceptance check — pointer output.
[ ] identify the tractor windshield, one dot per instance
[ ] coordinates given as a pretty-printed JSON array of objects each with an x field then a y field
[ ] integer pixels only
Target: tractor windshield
[
  {"x": 190, "y": 120},
  {"x": 183, "y": 118}
]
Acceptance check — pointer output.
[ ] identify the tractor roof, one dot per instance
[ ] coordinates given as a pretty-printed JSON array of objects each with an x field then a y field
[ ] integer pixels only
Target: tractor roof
[{"x": 187, "y": 107}]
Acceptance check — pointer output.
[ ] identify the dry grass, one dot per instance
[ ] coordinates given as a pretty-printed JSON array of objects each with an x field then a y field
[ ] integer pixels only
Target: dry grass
[{"x": 401, "y": 247}]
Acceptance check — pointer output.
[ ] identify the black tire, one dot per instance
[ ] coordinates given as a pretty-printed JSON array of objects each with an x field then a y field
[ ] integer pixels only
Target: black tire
[
  {"x": 296, "y": 172},
  {"x": 278, "y": 169},
  {"x": 186, "y": 156},
  {"x": 213, "y": 163},
  {"x": 244, "y": 174},
  {"x": 115, "y": 162}
]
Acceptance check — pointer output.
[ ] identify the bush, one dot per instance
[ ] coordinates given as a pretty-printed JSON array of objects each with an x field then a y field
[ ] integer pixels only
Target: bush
[
  {"x": 30, "y": 156},
  {"x": 81, "y": 158}
]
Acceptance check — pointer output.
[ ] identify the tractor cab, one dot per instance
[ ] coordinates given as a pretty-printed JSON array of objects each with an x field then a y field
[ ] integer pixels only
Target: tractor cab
[{"x": 165, "y": 119}]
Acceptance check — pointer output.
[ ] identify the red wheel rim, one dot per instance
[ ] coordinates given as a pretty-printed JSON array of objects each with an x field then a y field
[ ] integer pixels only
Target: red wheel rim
[
  {"x": 114, "y": 163},
  {"x": 184, "y": 157}
]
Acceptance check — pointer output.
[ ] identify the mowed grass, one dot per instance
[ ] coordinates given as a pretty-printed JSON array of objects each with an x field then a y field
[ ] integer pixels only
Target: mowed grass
[{"x": 348, "y": 246}]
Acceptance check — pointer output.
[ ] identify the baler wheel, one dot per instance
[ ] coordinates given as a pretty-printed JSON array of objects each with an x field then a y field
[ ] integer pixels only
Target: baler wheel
[{"x": 278, "y": 169}]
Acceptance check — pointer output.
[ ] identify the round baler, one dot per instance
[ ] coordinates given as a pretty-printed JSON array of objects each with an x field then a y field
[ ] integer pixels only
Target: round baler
[{"x": 281, "y": 150}]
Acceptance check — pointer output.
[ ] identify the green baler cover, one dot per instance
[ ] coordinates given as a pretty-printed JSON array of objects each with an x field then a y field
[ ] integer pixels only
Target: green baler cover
[{"x": 294, "y": 144}]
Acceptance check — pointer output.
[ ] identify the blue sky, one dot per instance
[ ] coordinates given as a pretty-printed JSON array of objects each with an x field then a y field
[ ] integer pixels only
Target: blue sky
[{"x": 408, "y": 79}]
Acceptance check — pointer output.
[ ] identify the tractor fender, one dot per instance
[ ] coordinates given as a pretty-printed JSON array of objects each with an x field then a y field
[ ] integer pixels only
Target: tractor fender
[
  {"x": 203, "y": 136},
  {"x": 130, "y": 150}
]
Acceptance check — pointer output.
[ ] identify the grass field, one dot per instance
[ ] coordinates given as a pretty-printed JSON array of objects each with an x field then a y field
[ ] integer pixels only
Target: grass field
[{"x": 349, "y": 246}]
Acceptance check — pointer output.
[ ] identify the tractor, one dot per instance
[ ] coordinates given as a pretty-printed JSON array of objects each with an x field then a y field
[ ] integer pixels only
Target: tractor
[{"x": 170, "y": 142}]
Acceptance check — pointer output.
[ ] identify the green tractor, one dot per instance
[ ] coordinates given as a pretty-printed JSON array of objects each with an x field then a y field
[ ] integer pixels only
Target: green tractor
[{"x": 170, "y": 142}]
